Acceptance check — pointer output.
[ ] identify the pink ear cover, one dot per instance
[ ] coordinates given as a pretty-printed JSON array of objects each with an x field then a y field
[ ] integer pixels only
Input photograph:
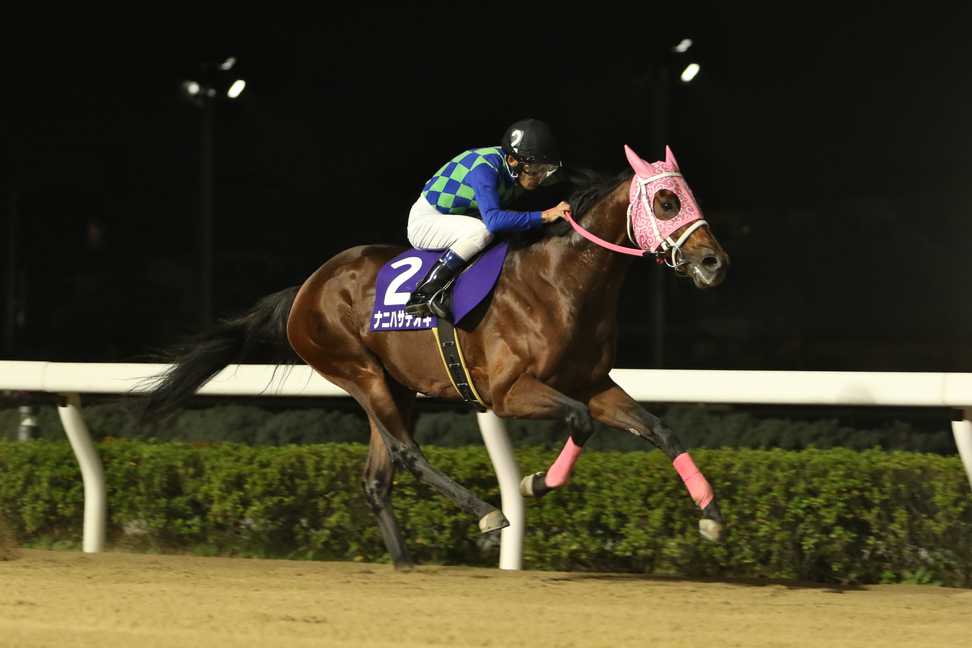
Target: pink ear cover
[
  {"x": 641, "y": 168},
  {"x": 670, "y": 160}
]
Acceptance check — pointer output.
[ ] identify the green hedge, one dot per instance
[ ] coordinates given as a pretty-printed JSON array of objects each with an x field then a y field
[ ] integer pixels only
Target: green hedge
[
  {"x": 8, "y": 544},
  {"x": 815, "y": 515},
  {"x": 699, "y": 426}
]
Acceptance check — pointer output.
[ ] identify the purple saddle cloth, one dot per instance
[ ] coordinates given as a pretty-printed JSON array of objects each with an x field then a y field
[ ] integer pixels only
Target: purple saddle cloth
[{"x": 399, "y": 277}]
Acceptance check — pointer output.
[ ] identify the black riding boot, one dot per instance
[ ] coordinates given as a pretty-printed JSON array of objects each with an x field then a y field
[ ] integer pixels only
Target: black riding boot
[{"x": 426, "y": 300}]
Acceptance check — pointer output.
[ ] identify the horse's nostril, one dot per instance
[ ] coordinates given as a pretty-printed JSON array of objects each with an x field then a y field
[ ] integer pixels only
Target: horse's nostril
[{"x": 711, "y": 262}]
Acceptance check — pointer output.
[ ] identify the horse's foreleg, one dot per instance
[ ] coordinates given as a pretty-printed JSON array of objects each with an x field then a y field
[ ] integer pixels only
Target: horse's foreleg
[
  {"x": 614, "y": 407},
  {"x": 530, "y": 398}
]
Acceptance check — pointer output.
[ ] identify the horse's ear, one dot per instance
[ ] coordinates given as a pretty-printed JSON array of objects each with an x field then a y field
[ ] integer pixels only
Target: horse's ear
[
  {"x": 670, "y": 159},
  {"x": 640, "y": 167}
]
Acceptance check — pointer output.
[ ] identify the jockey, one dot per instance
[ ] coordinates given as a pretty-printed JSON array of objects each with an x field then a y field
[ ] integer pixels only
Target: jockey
[{"x": 460, "y": 208}]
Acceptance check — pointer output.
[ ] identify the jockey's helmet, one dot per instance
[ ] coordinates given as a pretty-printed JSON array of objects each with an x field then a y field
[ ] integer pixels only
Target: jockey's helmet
[{"x": 531, "y": 141}]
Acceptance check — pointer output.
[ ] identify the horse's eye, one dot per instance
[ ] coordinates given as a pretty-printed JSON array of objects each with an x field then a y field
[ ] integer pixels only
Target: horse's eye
[{"x": 668, "y": 206}]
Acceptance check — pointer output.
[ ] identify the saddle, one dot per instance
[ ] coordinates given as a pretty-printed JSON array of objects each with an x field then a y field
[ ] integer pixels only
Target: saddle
[{"x": 399, "y": 277}]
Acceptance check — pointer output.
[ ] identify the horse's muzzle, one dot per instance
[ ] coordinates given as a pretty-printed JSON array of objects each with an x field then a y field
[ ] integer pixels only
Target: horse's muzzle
[{"x": 709, "y": 270}]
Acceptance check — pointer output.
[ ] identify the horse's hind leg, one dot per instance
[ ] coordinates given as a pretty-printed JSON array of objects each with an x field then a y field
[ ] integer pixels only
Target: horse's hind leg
[
  {"x": 377, "y": 480},
  {"x": 373, "y": 393}
]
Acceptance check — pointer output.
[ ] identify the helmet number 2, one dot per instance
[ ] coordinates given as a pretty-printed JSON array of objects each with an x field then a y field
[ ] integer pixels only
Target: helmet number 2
[{"x": 392, "y": 296}]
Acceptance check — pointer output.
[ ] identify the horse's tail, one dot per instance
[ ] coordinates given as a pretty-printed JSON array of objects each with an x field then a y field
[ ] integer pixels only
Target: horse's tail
[{"x": 259, "y": 335}]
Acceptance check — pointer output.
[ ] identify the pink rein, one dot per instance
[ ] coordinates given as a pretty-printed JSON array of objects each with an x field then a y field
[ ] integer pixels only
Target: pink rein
[{"x": 604, "y": 244}]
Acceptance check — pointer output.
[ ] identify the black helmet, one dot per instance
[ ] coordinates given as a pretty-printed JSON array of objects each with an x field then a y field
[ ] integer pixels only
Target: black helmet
[{"x": 531, "y": 140}]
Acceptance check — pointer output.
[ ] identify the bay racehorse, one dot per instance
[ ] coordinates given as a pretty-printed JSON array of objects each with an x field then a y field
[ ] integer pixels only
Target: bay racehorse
[{"x": 541, "y": 350}]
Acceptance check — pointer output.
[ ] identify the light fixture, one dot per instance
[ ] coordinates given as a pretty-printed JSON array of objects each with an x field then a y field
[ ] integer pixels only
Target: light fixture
[
  {"x": 683, "y": 46},
  {"x": 690, "y": 72},
  {"x": 236, "y": 89}
]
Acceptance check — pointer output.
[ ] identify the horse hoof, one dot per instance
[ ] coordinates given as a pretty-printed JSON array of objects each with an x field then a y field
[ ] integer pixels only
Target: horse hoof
[
  {"x": 534, "y": 485},
  {"x": 710, "y": 530},
  {"x": 404, "y": 566},
  {"x": 493, "y": 521},
  {"x": 526, "y": 485}
]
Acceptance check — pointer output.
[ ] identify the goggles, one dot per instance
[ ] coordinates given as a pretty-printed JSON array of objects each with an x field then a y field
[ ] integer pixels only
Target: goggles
[{"x": 539, "y": 169}]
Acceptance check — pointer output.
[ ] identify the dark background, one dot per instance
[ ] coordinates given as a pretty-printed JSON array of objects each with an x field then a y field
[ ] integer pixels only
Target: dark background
[{"x": 829, "y": 146}]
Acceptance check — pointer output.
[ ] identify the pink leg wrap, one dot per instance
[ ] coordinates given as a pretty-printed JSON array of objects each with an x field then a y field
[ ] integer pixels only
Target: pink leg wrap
[
  {"x": 560, "y": 471},
  {"x": 694, "y": 480}
]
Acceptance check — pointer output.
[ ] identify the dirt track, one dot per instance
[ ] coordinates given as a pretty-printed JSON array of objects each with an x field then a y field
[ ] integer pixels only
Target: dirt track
[{"x": 114, "y": 599}]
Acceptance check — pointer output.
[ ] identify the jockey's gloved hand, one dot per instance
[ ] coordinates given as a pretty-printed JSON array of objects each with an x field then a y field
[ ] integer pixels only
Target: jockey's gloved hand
[{"x": 555, "y": 213}]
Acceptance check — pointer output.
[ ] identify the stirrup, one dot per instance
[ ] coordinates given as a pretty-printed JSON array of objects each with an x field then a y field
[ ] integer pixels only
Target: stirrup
[
  {"x": 438, "y": 303},
  {"x": 434, "y": 305},
  {"x": 419, "y": 308}
]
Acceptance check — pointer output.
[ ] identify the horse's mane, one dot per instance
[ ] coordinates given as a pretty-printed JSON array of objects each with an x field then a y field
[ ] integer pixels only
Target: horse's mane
[{"x": 582, "y": 188}]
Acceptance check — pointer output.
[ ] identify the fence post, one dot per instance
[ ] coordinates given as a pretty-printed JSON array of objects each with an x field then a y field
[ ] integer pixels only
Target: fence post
[
  {"x": 27, "y": 430},
  {"x": 92, "y": 472},
  {"x": 962, "y": 431},
  {"x": 508, "y": 475}
]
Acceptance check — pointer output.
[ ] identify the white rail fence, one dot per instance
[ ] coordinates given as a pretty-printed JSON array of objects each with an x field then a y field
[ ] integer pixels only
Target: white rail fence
[{"x": 70, "y": 380}]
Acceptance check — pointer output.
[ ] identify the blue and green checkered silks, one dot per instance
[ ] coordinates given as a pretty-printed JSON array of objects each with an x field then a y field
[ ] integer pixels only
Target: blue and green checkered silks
[{"x": 448, "y": 192}]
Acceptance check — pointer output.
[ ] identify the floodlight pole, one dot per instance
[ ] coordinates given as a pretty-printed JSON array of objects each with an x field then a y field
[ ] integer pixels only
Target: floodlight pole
[
  {"x": 10, "y": 314},
  {"x": 206, "y": 213},
  {"x": 661, "y": 87}
]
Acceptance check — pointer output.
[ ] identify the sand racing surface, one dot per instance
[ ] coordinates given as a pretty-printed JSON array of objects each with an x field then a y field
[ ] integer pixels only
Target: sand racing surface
[{"x": 116, "y": 599}]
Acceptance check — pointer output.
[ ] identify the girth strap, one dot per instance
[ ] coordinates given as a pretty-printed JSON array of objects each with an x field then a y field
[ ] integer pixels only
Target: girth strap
[{"x": 447, "y": 342}]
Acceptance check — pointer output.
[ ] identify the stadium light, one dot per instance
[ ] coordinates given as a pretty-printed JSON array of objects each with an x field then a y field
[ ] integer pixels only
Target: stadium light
[
  {"x": 683, "y": 46},
  {"x": 236, "y": 89},
  {"x": 690, "y": 72}
]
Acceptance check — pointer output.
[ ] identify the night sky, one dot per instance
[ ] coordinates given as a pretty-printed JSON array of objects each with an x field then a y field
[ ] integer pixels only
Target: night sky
[{"x": 829, "y": 145}]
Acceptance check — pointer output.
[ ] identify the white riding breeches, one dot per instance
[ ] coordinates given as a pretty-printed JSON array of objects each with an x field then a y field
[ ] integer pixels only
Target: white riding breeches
[{"x": 428, "y": 229}]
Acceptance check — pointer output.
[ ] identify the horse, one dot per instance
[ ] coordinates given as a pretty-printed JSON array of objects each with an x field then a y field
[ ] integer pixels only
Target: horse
[{"x": 542, "y": 349}]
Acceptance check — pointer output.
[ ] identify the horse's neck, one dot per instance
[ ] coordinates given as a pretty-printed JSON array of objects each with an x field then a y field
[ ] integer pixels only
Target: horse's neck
[
  {"x": 583, "y": 272},
  {"x": 593, "y": 267}
]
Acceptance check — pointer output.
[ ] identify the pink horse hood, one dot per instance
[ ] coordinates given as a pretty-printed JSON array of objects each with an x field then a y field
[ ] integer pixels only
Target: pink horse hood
[{"x": 648, "y": 231}]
